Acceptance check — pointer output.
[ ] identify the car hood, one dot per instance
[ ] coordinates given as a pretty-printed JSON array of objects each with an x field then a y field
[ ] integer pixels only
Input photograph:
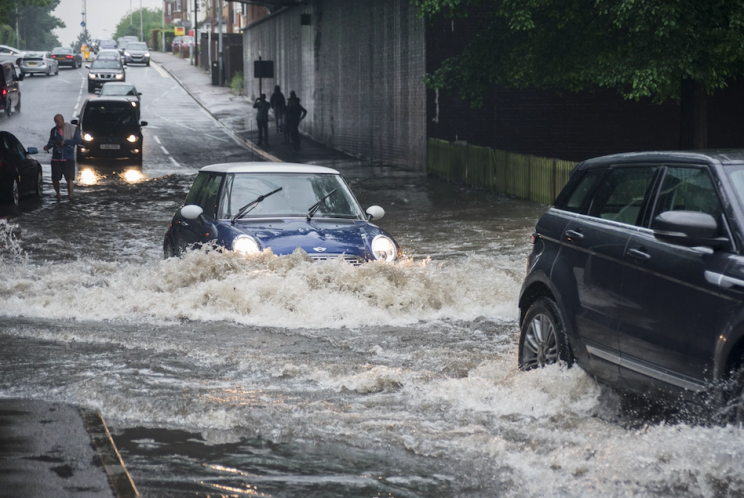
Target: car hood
[
  {"x": 137, "y": 52},
  {"x": 315, "y": 237}
]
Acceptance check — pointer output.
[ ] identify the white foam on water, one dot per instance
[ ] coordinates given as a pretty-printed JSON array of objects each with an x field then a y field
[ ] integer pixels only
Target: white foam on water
[{"x": 289, "y": 291}]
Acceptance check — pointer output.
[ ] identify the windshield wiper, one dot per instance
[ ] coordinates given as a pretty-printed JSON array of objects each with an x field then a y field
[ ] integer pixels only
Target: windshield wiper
[
  {"x": 314, "y": 208},
  {"x": 247, "y": 208}
]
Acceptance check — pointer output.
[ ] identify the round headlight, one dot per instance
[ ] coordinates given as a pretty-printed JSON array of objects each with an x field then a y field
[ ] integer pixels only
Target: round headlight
[
  {"x": 87, "y": 137},
  {"x": 245, "y": 245},
  {"x": 132, "y": 138},
  {"x": 383, "y": 248}
]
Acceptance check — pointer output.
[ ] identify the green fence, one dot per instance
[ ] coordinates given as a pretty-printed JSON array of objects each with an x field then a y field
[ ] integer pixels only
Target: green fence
[{"x": 538, "y": 179}]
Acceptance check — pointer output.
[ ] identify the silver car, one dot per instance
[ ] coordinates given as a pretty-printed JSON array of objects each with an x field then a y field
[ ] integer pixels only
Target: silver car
[
  {"x": 10, "y": 54},
  {"x": 38, "y": 63}
]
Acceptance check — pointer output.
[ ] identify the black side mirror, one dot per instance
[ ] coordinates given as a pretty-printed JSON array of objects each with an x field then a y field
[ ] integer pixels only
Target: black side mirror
[
  {"x": 687, "y": 228},
  {"x": 75, "y": 122},
  {"x": 143, "y": 123},
  {"x": 19, "y": 77}
]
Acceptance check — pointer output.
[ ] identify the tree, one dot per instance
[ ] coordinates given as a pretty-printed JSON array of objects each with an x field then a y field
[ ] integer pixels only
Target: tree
[
  {"x": 36, "y": 26},
  {"x": 130, "y": 25},
  {"x": 662, "y": 49},
  {"x": 82, "y": 39}
]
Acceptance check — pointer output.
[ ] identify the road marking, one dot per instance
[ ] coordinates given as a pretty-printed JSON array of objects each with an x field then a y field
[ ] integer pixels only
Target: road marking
[
  {"x": 216, "y": 138},
  {"x": 165, "y": 150},
  {"x": 174, "y": 161},
  {"x": 158, "y": 69},
  {"x": 156, "y": 139}
]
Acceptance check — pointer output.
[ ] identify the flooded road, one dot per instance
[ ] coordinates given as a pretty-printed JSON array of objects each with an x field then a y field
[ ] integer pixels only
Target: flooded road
[{"x": 220, "y": 375}]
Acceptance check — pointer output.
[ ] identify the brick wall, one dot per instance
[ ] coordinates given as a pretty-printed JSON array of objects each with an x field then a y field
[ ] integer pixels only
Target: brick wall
[{"x": 358, "y": 69}]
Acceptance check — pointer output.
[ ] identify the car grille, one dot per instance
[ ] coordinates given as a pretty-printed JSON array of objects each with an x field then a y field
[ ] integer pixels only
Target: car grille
[
  {"x": 105, "y": 77},
  {"x": 349, "y": 258}
]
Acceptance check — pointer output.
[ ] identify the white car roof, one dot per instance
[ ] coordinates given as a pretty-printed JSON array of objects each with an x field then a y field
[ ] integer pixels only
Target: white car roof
[{"x": 254, "y": 167}]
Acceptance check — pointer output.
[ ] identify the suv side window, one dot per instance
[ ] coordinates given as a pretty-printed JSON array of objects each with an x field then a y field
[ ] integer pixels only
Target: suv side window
[
  {"x": 620, "y": 196},
  {"x": 583, "y": 187},
  {"x": 689, "y": 189}
]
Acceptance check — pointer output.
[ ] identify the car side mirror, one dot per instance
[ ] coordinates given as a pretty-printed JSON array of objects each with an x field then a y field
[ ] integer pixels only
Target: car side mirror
[
  {"x": 143, "y": 123},
  {"x": 19, "y": 77},
  {"x": 87, "y": 66},
  {"x": 32, "y": 150},
  {"x": 375, "y": 213},
  {"x": 687, "y": 228},
  {"x": 75, "y": 122},
  {"x": 139, "y": 93},
  {"x": 191, "y": 211}
]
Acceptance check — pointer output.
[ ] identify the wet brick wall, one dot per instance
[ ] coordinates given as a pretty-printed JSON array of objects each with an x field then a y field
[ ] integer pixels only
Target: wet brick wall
[
  {"x": 571, "y": 126},
  {"x": 358, "y": 69}
]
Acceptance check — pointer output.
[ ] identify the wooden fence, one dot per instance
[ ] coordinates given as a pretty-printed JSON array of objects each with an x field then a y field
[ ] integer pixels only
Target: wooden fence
[{"x": 538, "y": 179}]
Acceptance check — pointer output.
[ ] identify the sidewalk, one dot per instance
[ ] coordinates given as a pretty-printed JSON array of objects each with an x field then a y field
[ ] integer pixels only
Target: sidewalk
[
  {"x": 237, "y": 115},
  {"x": 57, "y": 450}
]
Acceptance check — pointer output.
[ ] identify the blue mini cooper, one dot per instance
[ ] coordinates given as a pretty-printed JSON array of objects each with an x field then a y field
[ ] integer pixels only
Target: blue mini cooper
[{"x": 251, "y": 207}]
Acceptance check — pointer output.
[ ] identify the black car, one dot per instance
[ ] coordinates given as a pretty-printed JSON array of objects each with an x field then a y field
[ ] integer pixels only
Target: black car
[
  {"x": 19, "y": 173},
  {"x": 109, "y": 128},
  {"x": 10, "y": 90},
  {"x": 637, "y": 275},
  {"x": 66, "y": 57},
  {"x": 104, "y": 70}
]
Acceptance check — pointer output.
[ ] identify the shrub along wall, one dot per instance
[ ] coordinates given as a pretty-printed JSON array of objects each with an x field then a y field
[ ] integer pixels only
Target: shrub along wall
[{"x": 538, "y": 179}]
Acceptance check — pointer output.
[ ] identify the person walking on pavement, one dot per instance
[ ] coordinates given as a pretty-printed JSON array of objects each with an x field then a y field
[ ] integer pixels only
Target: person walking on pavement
[
  {"x": 295, "y": 114},
  {"x": 278, "y": 104},
  {"x": 62, "y": 140},
  {"x": 262, "y": 118}
]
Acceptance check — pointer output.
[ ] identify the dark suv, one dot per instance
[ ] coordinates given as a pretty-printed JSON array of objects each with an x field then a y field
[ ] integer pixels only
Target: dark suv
[
  {"x": 10, "y": 90},
  {"x": 109, "y": 128},
  {"x": 637, "y": 275}
]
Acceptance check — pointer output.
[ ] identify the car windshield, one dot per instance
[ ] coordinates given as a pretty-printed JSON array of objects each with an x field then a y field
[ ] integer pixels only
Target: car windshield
[
  {"x": 117, "y": 90},
  {"x": 108, "y": 44},
  {"x": 119, "y": 115},
  {"x": 62, "y": 50},
  {"x": 300, "y": 191},
  {"x": 106, "y": 64},
  {"x": 137, "y": 46}
]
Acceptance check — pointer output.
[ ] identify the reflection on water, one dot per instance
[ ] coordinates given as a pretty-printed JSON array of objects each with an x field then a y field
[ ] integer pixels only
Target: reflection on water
[{"x": 89, "y": 175}]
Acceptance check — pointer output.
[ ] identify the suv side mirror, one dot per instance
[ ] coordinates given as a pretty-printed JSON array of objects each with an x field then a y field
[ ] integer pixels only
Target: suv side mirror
[
  {"x": 143, "y": 123},
  {"x": 19, "y": 76},
  {"x": 32, "y": 150},
  {"x": 75, "y": 122},
  {"x": 687, "y": 228}
]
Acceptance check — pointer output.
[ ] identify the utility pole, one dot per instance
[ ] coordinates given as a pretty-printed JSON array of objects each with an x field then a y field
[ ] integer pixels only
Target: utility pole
[
  {"x": 196, "y": 32},
  {"x": 221, "y": 26},
  {"x": 162, "y": 32}
]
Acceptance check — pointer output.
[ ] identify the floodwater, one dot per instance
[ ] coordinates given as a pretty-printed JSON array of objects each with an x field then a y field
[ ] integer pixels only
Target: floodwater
[{"x": 225, "y": 376}]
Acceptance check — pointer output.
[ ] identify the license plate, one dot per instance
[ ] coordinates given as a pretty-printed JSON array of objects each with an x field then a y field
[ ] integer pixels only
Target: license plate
[
  {"x": 110, "y": 146},
  {"x": 31, "y": 63}
]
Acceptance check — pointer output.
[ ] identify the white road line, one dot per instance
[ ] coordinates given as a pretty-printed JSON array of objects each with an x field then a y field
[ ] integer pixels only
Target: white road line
[
  {"x": 216, "y": 138},
  {"x": 174, "y": 161},
  {"x": 165, "y": 150},
  {"x": 156, "y": 139}
]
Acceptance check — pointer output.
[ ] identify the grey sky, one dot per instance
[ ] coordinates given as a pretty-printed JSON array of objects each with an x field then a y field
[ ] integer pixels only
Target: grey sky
[{"x": 103, "y": 16}]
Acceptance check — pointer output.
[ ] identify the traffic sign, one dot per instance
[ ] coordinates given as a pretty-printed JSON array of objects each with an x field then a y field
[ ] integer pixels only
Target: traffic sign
[{"x": 82, "y": 24}]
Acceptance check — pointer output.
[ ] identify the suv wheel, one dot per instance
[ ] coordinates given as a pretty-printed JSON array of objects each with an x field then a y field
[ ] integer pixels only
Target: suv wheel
[{"x": 543, "y": 339}]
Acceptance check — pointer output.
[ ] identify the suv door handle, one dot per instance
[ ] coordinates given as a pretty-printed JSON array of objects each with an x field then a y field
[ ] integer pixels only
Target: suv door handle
[
  {"x": 723, "y": 281},
  {"x": 638, "y": 254},
  {"x": 574, "y": 235}
]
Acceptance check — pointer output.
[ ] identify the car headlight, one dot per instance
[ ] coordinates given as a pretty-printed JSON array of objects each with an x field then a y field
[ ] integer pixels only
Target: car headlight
[
  {"x": 91, "y": 76},
  {"x": 132, "y": 138},
  {"x": 245, "y": 244},
  {"x": 118, "y": 76},
  {"x": 87, "y": 137},
  {"x": 126, "y": 54},
  {"x": 383, "y": 249},
  {"x": 134, "y": 104},
  {"x": 147, "y": 54}
]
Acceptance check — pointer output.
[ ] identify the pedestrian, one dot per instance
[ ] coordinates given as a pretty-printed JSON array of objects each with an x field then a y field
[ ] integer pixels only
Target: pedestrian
[
  {"x": 62, "y": 140},
  {"x": 262, "y": 118},
  {"x": 278, "y": 104},
  {"x": 295, "y": 114}
]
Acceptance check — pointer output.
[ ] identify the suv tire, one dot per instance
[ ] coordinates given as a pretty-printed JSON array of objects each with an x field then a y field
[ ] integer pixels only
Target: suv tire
[{"x": 542, "y": 339}]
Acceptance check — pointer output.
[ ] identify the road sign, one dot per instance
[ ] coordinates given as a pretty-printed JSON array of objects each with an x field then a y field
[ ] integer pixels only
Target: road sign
[
  {"x": 263, "y": 69},
  {"x": 178, "y": 31},
  {"x": 82, "y": 24}
]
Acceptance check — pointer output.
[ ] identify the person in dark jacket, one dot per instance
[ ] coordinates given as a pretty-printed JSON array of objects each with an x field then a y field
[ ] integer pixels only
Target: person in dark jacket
[
  {"x": 262, "y": 119},
  {"x": 295, "y": 114},
  {"x": 62, "y": 140},
  {"x": 278, "y": 104}
]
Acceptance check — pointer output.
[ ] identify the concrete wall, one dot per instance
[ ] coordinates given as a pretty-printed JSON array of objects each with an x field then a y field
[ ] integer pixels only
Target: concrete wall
[{"x": 357, "y": 68}]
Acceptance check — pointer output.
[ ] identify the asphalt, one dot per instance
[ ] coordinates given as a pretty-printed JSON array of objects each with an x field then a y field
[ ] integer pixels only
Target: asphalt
[{"x": 235, "y": 113}]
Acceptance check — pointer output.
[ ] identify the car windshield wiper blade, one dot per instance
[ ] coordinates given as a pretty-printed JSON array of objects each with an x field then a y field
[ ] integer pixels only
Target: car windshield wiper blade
[
  {"x": 316, "y": 206},
  {"x": 246, "y": 209}
]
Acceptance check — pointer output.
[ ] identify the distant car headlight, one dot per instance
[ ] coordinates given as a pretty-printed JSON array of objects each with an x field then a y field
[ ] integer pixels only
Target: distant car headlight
[
  {"x": 134, "y": 104},
  {"x": 87, "y": 137},
  {"x": 147, "y": 54},
  {"x": 126, "y": 54},
  {"x": 383, "y": 249},
  {"x": 91, "y": 76},
  {"x": 245, "y": 244},
  {"x": 132, "y": 138},
  {"x": 118, "y": 76}
]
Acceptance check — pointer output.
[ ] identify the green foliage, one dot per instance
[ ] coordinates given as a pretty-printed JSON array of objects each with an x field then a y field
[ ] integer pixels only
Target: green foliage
[
  {"x": 641, "y": 48},
  {"x": 237, "y": 82},
  {"x": 130, "y": 25},
  {"x": 36, "y": 26},
  {"x": 8, "y": 7},
  {"x": 83, "y": 38}
]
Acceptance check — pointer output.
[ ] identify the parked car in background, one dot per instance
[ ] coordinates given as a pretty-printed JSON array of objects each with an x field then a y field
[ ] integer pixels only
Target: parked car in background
[
  {"x": 10, "y": 54},
  {"x": 249, "y": 208},
  {"x": 101, "y": 71},
  {"x": 20, "y": 174},
  {"x": 137, "y": 53},
  {"x": 182, "y": 41},
  {"x": 38, "y": 63},
  {"x": 109, "y": 128},
  {"x": 10, "y": 90},
  {"x": 66, "y": 57},
  {"x": 125, "y": 91},
  {"x": 637, "y": 275}
]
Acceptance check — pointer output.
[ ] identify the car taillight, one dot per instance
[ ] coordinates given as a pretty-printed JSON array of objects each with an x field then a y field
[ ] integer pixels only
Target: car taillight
[
  {"x": 5, "y": 92},
  {"x": 68, "y": 57},
  {"x": 534, "y": 237}
]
